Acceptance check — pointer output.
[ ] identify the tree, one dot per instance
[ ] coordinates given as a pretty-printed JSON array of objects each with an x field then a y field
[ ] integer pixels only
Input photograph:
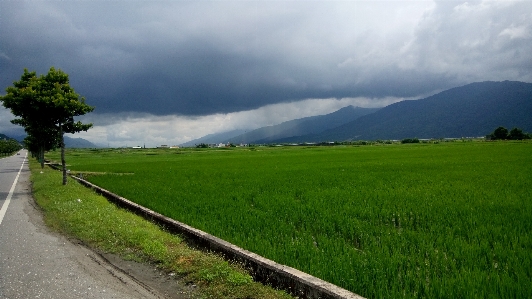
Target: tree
[
  {"x": 23, "y": 100},
  {"x": 410, "y": 140},
  {"x": 39, "y": 140},
  {"x": 9, "y": 146},
  {"x": 517, "y": 134},
  {"x": 499, "y": 133},
  {"x": 46, "y": 106}
]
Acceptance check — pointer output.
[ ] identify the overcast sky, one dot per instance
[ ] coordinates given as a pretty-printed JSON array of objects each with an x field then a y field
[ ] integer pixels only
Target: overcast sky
[{"x": 165, "y": 72}]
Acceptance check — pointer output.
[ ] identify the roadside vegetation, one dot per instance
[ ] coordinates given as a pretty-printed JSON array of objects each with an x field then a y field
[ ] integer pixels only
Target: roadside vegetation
[
  {"x": 45, "y": 107},
  {"x": 84, "y": 215},
  {"x": 9, "y": 146},
  {"x": 434, "y": 220}
]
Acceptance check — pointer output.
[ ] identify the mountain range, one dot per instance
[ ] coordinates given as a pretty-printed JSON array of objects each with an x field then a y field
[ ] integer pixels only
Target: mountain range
[
  {"x": 297, "y": 127},
  {"x": 2, "y": 137},
  {"x": 472, "y": 110},
  {"x": 69, "y": 142},
  {"x": 213, "y": 138},
  {"x": 78, "y": 143}
]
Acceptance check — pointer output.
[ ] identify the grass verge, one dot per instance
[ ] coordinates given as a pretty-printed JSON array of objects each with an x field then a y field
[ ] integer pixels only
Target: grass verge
[{"x": 80, "y": 213}]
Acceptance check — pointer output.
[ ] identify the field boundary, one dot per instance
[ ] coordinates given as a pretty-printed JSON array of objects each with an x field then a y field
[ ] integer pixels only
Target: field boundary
[{"x": 266, "y": 271}]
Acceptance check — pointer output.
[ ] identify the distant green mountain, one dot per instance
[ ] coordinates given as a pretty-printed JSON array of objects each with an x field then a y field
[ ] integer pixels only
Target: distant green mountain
[
  {"x": 297, "y": 127},
  {"x": 213, "y": 138},
  {"x": 302, "y": 126},
  {"x": 78, "y": 143},
  {"x": 69, "y": 142},
  {"x": 2, "y": 136},
  {"x": 472, "y": 110}
]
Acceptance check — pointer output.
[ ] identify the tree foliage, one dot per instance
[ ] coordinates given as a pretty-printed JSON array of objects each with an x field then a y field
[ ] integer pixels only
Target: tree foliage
[
  {"x": 45, "y": 106},
  {"x": 501, "y": 133},
  {"x": 517, "y": 134},
  {"x": 410, "y": 140},
  {"x": 9, "y": 146},
  {"x": 202, "y": 145}
]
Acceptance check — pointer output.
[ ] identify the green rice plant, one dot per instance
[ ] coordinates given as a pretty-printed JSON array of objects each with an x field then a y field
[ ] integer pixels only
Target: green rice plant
[{"x": 403, "y": 221}]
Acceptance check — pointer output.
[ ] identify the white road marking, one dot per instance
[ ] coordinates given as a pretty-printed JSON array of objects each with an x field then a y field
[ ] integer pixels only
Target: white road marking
[{"x": 8, "y": 199}]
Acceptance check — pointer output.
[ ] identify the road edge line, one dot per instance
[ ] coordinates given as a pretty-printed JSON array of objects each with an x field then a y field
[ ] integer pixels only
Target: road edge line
[{"x": 3, "y": 210}]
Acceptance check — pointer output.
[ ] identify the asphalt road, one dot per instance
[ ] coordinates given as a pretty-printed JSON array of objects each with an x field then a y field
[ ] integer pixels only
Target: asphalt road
[{"x": 38, "y": 263}]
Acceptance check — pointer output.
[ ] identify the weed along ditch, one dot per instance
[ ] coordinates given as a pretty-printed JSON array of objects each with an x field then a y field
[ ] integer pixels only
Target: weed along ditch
[{"x": 395, "y": 221}]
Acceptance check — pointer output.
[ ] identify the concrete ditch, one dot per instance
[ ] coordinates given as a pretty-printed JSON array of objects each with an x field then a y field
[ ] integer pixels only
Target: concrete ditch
[{"x": 279, "y": 276}]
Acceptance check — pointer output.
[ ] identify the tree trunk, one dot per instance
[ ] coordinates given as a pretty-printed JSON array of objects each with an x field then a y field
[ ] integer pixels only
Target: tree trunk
[
  {"x": 41, "y": 156},
  {"x": 63, "y": 164}
]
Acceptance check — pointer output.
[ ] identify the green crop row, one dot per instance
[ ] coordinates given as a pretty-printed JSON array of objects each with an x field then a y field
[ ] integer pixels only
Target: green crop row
[{"x": 394, "y": 221}]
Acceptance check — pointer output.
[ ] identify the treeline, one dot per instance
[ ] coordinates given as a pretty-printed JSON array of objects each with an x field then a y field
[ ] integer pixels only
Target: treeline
[
  {"x": 9, "y": 146},
  {"x": 501, "y": 133}
]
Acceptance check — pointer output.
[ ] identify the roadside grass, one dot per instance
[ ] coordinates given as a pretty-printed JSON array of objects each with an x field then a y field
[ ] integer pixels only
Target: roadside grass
[{"x": 82, "y": 214}]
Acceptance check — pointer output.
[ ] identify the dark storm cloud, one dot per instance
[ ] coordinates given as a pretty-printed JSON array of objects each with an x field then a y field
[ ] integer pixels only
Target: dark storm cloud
[{"x": 199, "y": 58}]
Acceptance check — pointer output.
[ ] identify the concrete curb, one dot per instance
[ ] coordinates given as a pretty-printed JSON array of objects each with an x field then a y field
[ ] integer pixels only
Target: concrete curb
[{"x": 293, "y": 281}]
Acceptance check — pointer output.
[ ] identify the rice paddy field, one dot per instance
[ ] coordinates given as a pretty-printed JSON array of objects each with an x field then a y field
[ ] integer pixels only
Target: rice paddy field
[{"x": 447, "y": 220}]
